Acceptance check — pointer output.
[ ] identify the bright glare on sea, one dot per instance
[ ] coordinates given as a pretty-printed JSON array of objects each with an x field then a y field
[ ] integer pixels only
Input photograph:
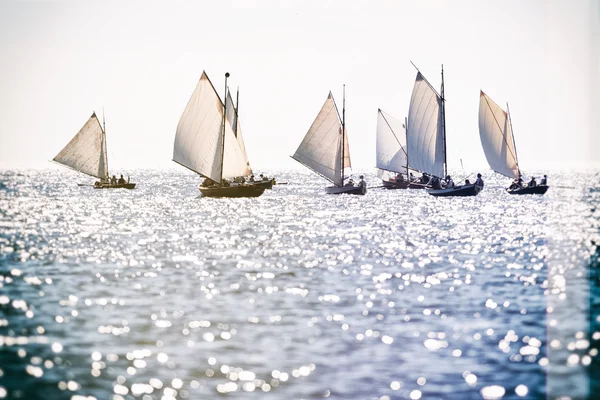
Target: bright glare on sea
[{"x": 157, "y": 293}]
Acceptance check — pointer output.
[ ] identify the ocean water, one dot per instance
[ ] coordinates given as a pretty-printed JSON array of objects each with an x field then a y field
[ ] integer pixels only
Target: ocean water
[{"x": 157, "y": 293}]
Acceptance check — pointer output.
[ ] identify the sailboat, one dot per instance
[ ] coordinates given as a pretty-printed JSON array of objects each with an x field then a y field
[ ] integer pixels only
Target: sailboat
[
  {"x": 426, "y": 136},
  {"x": 326, "y": 151},
  {"x": 498, "y": 141},
  {"x": 209, "y": 142},
  {"x": 86, "y": 153},
  {"x": 392, "y": 154}
]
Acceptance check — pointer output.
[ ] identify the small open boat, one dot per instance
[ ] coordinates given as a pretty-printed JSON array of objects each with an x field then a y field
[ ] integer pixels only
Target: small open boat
[
  {"x": 209, "y": 142},
  {"x": 426, "y": 136},
  {"x": 326, "y": 151},
  {"x": 539, "y": 189},
  {"x": 463, "y": 190},
  {"x": 498, "y": 142},
  {"x": 86, "y": 153}
]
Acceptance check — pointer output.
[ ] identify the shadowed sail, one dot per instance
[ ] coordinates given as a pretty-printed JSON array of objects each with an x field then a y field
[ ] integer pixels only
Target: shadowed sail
[
  {"x": 497, "y": 138},
  {"x": 199, "y": 139},
  {"x": 86, "y": 152},
  {"x": 321, "y": 148},
  {"x": 391, "y": 144},
  {"x": 425, "y": 134}
]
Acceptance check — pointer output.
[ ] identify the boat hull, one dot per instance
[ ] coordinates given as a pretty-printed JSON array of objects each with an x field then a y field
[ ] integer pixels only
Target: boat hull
[
  {"x": 540, "y": 189},
  {"x": 457, "y": 191},
  {"x": 117, "y": 186},
  {"x": 244, "y": 190},
  {"x": 267, "y": 184},
  {"x": 402, "y": 185},
  {"x": 360, "y": 190}
]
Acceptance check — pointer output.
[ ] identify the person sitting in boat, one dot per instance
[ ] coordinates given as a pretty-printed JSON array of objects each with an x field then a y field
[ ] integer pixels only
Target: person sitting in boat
[
  {"x": 251, "y": 178},
  {"x": 449, "y": 182},
  {"x": 411, "y": 177},
  {"x": 113, "y": 180},
  {"x": 479, "y": 181},
  {"x": 208, "y": 182},
  {"x": 350, "y": 182},
  {"x": 532, "y": 182},
  {"x": 399, "y": 178},
  {"x": 424, "y": 179},
  {"x": 544, "y": 181},
  {"x": 517, "y": 184},
  {"x": 467, "y": 182},
  {"x": 121, "y": 180},
  {"x": 362, "y": 182}
]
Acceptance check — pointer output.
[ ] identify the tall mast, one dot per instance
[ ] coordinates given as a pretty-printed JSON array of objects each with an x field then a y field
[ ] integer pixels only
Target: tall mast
[
  {"x": 444, "y": 125},
  {"x": 513, "y": 138},
  {"x": 223, "y": 128},
  {"x": 236, "y": 109},
  {"x": 104, "y": 147},
  {"x": 406, "y": 138},
  {"x": 343, "y": 131}
]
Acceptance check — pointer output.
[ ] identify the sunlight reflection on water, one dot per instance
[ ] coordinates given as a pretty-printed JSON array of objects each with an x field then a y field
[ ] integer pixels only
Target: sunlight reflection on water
[{"x": 158, "y": 293}]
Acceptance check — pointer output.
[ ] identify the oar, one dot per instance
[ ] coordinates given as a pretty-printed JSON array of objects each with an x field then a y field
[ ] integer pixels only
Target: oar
[
  {"x": 281, "y": 183},
  {"x": 375, "y": 187},
  {"x": 84, "y": 184}
]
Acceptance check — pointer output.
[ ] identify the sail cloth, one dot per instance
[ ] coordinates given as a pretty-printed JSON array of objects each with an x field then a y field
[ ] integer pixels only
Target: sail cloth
[
  {"x": 86, "y": 152},
  {"x": 199, "y": 138},
  {"x": 425, "y": 134},
  {"x": 497, "y": 138},
  {"x": 321, "y": 147},
  {"x": 391, "y": 144}
]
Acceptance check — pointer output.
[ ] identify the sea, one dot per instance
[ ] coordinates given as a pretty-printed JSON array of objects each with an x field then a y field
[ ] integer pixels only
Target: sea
[{"x": 158, "y": 293}]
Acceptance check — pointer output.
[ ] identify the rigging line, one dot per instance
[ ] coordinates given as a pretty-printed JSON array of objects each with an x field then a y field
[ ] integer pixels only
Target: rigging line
[{"x": 498, "y": 124}]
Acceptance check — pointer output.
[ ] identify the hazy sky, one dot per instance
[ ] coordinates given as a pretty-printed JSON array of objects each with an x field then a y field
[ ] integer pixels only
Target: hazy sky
[{"x": 140, "y": 61}]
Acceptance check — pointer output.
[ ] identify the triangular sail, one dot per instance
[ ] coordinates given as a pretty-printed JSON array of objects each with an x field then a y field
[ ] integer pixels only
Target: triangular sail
[
  {"x": 391, "y": 144},
  {"x": 425, "y": 134},
  {"x": 496, "y": 136},
  {"x": 321, "y": 148},
  {"x": 86, "y": 152},
  {"x": 198, "y": 140}
]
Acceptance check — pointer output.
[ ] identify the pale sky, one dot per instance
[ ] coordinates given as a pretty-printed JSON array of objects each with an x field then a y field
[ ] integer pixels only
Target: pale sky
[{"x": 140, "y": 61}]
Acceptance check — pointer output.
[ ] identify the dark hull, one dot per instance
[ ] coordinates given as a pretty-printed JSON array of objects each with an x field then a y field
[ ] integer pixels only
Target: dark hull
[
  {"x": 540, "y": 189},
  {"x": 266, "y": 184},
  {"x": 402, "y": 185},
  {"x": 360, "y": 190},
  {"x": 457, "y": 191},
  {"x": 246, "y": 190},
  {"x": 117, "y": 186}
]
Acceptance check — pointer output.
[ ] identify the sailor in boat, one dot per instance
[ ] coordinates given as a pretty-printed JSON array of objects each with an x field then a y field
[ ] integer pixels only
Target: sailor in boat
[
  {"x": 479, "y": 181},
  {"x": 449, "y": 182},
  {"x": 113, "y": 180},
  {"x": 121, "y": 180},
  {"x": 532, "y": 182},
  {"x": 362, "y": 182},
  {"x": 399, "y": 178},
  {"x": 467, "y": 182},
  {"x": 350, "y": 182},
  {"x": 517, "y": 184},
  {"x": 411, "y": 177},
  {"x": 251, "y": 178},
  {"x": 544, "y": 181},
  {"x": 208, "y": 183},
  {"x": 424, "y": 179}
]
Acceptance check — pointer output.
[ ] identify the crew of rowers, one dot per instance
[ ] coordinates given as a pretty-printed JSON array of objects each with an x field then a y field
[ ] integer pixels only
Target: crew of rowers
[
  {"x": 112, "y": 181},
  {"x": 237, "y": 180},
  {"x": 518, "y": 183},
  {"x": 436, "y": 183}
]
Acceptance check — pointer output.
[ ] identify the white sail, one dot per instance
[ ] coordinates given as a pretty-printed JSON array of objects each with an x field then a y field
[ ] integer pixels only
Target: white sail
[
  {"x": 321, "y": 147},
  {"x": 86, "y": 152},
  {"x": 236, "y": 125},
  {"x": 198, "y": 141},
  {"x": 496, "y": 136},
  {"x": 391, "y": 144},
  {"x": 425, "y": 134}
]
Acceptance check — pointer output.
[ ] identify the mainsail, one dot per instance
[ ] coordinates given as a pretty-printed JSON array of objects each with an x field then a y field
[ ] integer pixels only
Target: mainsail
[
  {"x": 391, "y": 144},
  {"x": 425, "y": 134},
  {"x": 497, "y": 138},
  {"x": 199, "y": 137},
  {"x": 86, "y": 152},
  {"x": 321, "y": 148}
]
